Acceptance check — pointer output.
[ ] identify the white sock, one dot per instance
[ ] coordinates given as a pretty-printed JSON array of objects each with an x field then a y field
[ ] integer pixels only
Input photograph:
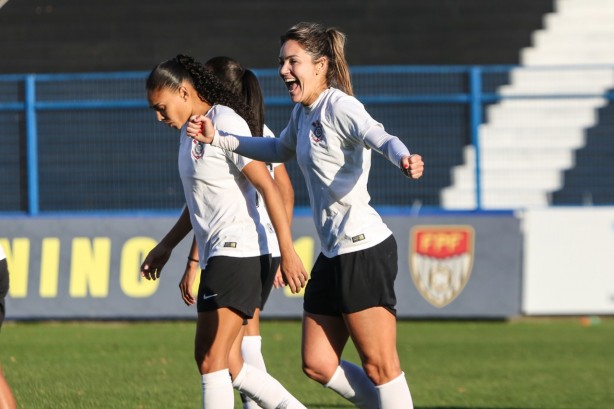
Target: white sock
[
  {"x": 395, "y": 394},
  {"x": 264, "y": 389},
  {"x": 217, "y": 390},
  {"x": 251, "y": 350},
  {"x": 351, "y": 382}
]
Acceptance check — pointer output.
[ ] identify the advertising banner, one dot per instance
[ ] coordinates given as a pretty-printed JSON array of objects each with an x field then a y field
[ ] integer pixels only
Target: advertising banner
[{"x": 89, "y": 267}]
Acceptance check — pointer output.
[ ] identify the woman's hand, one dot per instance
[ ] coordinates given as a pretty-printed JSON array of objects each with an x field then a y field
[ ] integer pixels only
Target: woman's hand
[
  {"x": 412, "y": 166},
  {"x": 278, "y": 282},
  {"x": 154, "y": 261},
  {"x": 187, "y": 281},
  {"x": 293, "y": 271},
  {"x": 201, "y": 129}
]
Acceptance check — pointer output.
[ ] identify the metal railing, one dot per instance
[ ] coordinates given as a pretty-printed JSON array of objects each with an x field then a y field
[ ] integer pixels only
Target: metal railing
[{"x": 29, "y": 100}]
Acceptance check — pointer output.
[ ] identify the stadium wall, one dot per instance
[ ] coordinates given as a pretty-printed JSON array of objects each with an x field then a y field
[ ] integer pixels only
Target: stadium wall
[
  {"x": 450, "y": 266},
  {"x": 482, "y": 265}
]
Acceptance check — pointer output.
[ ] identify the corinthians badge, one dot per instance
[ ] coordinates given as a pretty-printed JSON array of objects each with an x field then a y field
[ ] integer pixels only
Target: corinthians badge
[{"x": 440, "y": 261}]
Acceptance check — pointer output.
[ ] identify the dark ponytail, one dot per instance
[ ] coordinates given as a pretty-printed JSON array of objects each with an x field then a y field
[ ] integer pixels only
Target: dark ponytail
[{"x": 241, "y": 81}]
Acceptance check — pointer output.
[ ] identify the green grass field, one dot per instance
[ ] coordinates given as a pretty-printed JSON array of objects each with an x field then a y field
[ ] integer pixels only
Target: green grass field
[{"x": 524, "y": 364}]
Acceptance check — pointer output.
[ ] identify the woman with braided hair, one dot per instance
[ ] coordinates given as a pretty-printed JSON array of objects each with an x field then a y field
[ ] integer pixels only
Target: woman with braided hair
[{"x": 221, "y": 191}]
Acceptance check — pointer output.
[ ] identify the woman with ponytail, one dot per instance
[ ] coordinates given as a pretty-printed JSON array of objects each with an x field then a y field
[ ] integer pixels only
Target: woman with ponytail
[
  {"x": 222, "y": 191},
  {"x": 351, "y": 289},
  {"x": 243, "y": 81}
]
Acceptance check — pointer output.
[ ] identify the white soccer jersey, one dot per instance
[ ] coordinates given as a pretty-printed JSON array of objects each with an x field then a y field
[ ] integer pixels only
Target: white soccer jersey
[
  {"x": 328, "y": 138},
  {"x": 272, "y": 237},
  {"x": 223, "y": 204}
]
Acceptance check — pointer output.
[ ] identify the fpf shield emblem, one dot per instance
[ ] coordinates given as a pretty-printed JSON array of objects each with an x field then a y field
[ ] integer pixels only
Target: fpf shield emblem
[{"x": 440, "y": 261}]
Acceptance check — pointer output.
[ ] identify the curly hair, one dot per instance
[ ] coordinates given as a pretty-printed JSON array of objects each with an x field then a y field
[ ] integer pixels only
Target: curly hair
[{"x": 172, "y": 73}]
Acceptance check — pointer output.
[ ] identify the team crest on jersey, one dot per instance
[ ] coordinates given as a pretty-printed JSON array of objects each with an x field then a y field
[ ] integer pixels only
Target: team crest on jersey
[
  {"x": 440, "y": 261},
  {"x": 198, "y": 149},
  {"x": 318, "y": 131}
]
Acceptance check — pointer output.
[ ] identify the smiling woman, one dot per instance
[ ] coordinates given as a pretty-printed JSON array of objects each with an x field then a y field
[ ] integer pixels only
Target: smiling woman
[{"x": 351, "y": 289}]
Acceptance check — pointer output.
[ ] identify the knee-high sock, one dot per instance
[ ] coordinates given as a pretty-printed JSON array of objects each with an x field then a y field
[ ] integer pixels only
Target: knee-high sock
[
  {"x": 351, "y": 382},
  {"x": 217, "y": 390},
  {"x": 395, "y": 394},
  {"x": 264, "y": 389},
  {"x": 251, "y": 350}
]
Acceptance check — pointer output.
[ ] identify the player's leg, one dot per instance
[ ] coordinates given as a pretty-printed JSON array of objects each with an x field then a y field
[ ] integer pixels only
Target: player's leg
[
  {"x": 251, "y": 350},
  {"x": 251, "y": 346},
  {"x": 368, "y": 304},
  {"x": 215, "y": 333},
  {"x": 373, "y": 332},
  {"x": 325, "y": 336},
  {"x": 260, "y": 387},
  {"x": 228, "y": 293},
  {"x": 7, "y": 400}
]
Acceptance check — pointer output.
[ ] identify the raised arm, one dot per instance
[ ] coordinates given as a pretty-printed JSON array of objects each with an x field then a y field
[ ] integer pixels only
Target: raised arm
[
  {"x": 263, "y": 149},
  {"x": 392, "y": 148}
]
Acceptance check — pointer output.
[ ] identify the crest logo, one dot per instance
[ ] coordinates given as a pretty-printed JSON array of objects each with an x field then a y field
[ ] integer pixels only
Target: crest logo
[
  {"x": 318, "y": 131},
  {"x": 198, "y": 149},
  {"x": 440, "y": 261}
]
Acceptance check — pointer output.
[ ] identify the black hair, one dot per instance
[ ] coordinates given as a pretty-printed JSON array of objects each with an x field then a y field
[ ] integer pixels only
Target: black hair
[
  {"x": 241, "y": 81},
  {"x": 172, "y": 73}
]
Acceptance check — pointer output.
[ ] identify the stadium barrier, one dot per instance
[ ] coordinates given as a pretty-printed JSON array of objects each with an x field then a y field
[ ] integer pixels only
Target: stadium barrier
[
  {"x": 88, "y": 142},
  {"x": 450, "y": 266}
]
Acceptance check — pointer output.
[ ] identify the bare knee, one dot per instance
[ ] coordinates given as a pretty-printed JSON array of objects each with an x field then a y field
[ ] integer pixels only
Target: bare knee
[
  {"x": 319, "y": 370},
  {"x": 381, "y": 372}
]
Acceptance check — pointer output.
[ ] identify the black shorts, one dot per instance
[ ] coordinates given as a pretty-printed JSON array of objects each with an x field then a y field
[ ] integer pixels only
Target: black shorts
[
  {"x": 267, "y": 279},
  {"x": 232, "y": 282},
  {"x": 354, "y": 281},
  {"x": 4, "y": 287}
]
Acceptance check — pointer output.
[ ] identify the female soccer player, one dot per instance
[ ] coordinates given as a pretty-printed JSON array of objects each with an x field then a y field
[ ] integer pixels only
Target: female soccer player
[
  {"x": 7, "y": 400},
  {"x": 351, "y": 290},
  {"x": 222, "y": 191},
  {"x": 243, "y": 81}
]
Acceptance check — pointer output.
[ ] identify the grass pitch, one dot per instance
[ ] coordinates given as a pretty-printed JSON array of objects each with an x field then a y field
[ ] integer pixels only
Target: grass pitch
[{"x": 524, "y": 364}]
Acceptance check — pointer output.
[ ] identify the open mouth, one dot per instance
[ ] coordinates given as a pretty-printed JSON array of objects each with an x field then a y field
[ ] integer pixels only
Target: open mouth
[{"x": 291, "y": 84}]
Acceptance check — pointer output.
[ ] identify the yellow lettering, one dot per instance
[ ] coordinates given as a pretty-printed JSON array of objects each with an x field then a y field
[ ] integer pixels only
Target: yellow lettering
[
  {"x": 133, "y": 253},
  {"x": 18, "y": 262},
  {"x": 304, "y": 247},
  {"x": 440, "y": 241},
  {"x": 196, "y": 284},
  {"x": 426, "y": 242},
  {"x": 50, "y": 267},
  {"x": 90, "y": 267}
]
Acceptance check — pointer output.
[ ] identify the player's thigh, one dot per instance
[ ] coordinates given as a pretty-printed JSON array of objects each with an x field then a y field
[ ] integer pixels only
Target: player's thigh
[
  {"x": 374, "y": 334},
  {"x": 235, "y": 358},
  {"x": 324, "y": 337},
  {"x": 216, "y": 331},
  {"x": 253, "y": 324}
]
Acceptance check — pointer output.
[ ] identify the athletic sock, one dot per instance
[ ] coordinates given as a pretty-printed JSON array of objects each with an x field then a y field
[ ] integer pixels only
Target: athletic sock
[
  {"x": 251, "y": 350},
  {"x": 264, "y": 389},
  {"x": 351, "y": 382},
  {"x": 395, "y": 394},
  {"x": 217, "y": 390}
]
